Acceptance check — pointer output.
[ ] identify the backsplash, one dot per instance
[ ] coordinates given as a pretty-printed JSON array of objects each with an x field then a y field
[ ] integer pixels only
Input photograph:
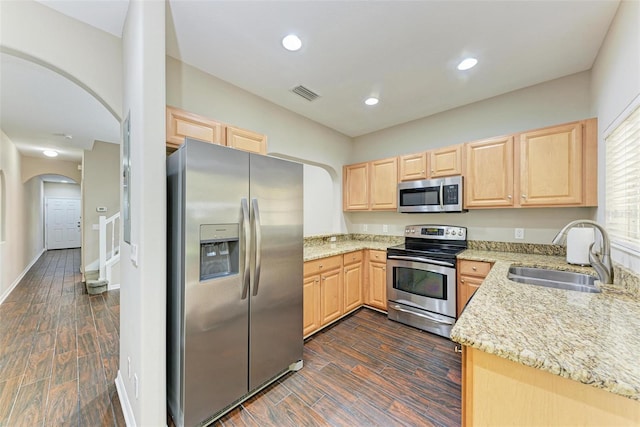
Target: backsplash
[
  {"x": 326, "y": 239},
  {"x": 521, "y": 248},
  {"x": 627, "y": 279}
]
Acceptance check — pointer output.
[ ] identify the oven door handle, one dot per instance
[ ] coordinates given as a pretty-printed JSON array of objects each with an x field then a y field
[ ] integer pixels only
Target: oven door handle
[
  {"x": 426, "y": 316},
  {"x": 418, "y": 259}
]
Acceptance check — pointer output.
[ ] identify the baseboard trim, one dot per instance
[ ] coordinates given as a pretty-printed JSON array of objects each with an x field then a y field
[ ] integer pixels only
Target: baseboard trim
[
  {"x": 127, "y": 410},
  {"x": 111, "y": 287},
  {"x": 6, "y": 293}
]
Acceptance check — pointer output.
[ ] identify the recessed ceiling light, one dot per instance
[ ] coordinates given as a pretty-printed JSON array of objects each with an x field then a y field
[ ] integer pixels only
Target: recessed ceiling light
[
  {"x": 467, "y": 63},
  {"x": 64, "y": 181},
  {"x": 371, "y": 101},
  {"x": 292, "y": 42},
  {"x": 50, "y": 153}
]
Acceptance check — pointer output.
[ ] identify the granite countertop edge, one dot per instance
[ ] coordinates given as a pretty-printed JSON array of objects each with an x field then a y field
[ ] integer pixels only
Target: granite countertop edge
[
  {"x": 589, "y": 338},
  {"x": 339, "y": 248}
]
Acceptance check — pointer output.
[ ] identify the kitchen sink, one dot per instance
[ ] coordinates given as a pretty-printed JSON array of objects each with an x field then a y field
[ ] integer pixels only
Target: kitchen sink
[{"x": 553, "y": 279}]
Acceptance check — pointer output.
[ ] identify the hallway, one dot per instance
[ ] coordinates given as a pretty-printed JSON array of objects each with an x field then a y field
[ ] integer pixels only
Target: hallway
[{"x": 59, "y": 349}]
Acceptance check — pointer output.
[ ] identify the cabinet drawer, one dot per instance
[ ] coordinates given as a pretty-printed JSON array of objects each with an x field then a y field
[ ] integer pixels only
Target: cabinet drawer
[
  {"x": 474, "y": 268},
  {"x": 352, "y": 258},
  {"x": 377, "y": 256},
  {"x": 323, "y": 264}
]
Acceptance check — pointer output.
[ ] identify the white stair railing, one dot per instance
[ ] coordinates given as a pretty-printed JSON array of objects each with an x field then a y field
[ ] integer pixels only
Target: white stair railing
[{"x": 109, "y": 245}]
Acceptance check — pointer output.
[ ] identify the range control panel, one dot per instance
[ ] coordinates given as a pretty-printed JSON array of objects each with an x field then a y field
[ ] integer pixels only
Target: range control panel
[{"x": 443, "y": 232}]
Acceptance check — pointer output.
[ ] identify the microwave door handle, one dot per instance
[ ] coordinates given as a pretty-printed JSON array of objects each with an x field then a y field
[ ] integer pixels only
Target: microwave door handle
[
  {"x": 397, "y": 307},
  {"x": 247, "y": 243},
  {"x": 441, "y": 195},
  {"x": 419, "y": 259}
]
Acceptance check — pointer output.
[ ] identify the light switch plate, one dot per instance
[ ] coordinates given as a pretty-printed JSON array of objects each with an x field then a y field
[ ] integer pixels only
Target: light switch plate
[{"x": 519, "y": 233}]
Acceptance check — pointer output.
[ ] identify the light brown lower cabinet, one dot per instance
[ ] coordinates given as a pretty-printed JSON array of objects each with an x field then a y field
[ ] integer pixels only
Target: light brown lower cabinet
[
  {"x": 376, "y": 295},
  {"x": 352, "y": 279},
  {"x": 337, "y": 285},
  {"x": 497, "y": 391},
  {"x": 471, "y": 274}
]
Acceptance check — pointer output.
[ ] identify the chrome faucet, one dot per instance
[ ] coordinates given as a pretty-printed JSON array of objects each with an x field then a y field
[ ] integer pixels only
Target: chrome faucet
[{"x": 602, "y": 264}]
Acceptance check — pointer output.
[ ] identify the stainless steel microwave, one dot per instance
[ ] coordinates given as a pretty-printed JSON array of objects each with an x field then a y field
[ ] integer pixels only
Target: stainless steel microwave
[{"x": 431, "y": 195}]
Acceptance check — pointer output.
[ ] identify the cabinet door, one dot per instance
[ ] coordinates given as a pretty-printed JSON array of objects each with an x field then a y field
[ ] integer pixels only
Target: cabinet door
[
  {"x": 181, "y": 124},
  {"x": 413, "y": 167},
  {"x": 446, "y": 161},
  {"x": 355, "y": 187},
  {"x": 489, "y": 173},
  {"x": 551, "y": 166},
  {"x": 352, "y": 286},
  {"x": 246, "y": 140},
  {"x": 331, "y": 296},
  {"x": 311, "y": 304},
  {"x": 384, "y": 184},
  {"x": 467, "y": 285},
  {"x": 377, "y": 295}
]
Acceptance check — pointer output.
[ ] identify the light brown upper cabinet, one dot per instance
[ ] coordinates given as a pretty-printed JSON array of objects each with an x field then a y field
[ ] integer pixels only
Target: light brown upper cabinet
[
  {"x": 355, "y": 187},
  {"x": 246, "y": 140},
  {"x": 488, "y": 178},
  {"x": 181, "y": 124},
  {"x": 557, "y": 164},
  {"x": 554, "y": 166},
  {"x": 446, "y": 161},
  {"x": 384, "y": 184},
  {"x": 413, "y": 167},
  {"x": 370, "y": 185}
]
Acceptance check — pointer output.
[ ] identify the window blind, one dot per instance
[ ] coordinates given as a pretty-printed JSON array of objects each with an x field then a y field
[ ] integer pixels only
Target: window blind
[{"x": 622, "y": 177}]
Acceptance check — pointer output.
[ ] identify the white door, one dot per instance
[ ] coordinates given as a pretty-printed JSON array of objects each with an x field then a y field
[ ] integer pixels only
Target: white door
[{"x": 63, "y": 223}]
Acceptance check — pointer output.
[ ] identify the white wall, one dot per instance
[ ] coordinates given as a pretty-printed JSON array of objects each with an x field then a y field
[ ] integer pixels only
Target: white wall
[
  {"x": 22, "y": 217},
  {"x": 143, "y": 283},
  {"x": 615, "y": 86},
  {"x": 554, "y": 102},
  {"x": 289, "y": 134},
  {"x": 101, "y": 188},
  {"x": 87, "y": 56}
]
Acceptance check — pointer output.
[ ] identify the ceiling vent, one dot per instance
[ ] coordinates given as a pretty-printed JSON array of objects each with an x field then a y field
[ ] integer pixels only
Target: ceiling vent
[{"x": 307, "y": 94}]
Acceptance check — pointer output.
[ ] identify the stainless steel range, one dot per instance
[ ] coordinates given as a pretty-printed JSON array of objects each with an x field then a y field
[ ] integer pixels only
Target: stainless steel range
[{"x": 421, "y": 277}]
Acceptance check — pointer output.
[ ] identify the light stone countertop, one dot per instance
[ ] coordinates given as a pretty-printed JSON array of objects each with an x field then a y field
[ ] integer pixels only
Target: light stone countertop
[
  {"x": 590, "y": 338},
  {"x": 343, "y": 247}
]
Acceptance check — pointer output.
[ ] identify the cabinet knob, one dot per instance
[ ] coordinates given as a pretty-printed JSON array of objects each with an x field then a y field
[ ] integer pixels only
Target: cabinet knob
[
  {"x": 474, "y": 268},
  {"x": 461, "y": 280},
  {"x": 384, "y": 268},
  {"x": 422, "y": 172},
  {"x": 457, "y": 349},
  {"x": 509, "y": 196},
  {"x": 524, "y": 196},
  {"x": 320, "y": 266}
]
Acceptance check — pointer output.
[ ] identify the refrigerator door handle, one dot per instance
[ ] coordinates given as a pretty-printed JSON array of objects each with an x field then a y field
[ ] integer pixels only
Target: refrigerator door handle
[
  {"x": 247, "y": 243},
  {"x": 258, "y": 248}
]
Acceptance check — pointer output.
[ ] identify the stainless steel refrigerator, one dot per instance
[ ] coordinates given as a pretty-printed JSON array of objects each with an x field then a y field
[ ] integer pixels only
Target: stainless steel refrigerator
[{"x": 234, "y": 277}]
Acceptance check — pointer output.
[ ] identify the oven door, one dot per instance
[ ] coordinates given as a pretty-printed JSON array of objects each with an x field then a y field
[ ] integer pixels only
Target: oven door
[{"x": 422, "y": 283}]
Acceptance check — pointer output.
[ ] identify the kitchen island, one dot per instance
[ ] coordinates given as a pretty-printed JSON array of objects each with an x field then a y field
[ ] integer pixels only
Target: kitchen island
[{"x": 543, "y": 356}]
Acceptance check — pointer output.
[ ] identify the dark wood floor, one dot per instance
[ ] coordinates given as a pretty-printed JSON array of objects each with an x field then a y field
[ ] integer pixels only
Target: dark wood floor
[
  {"x": 364, "y": 371},
  {"x": 59, "y": 358},
  {"x": 59, "y": 349}
]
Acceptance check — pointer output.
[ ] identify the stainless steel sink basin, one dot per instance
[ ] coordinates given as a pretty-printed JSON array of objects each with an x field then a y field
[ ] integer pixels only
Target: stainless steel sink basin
[{"x": 553, "y": 279}]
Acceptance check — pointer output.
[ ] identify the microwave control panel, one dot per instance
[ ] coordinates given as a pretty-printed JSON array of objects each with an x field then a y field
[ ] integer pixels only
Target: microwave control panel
[{"x": 443, "y": 232}]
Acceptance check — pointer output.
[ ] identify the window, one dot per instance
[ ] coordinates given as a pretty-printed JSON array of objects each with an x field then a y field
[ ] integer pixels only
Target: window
[{"x": 623, "y": 183}]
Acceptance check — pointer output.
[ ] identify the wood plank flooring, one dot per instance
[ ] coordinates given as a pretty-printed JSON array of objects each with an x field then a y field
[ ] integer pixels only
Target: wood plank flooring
[
  {"x": 59, "y": 349},
  {"x": 59, "y": 358},
  {"x": 364, "y": 371}
]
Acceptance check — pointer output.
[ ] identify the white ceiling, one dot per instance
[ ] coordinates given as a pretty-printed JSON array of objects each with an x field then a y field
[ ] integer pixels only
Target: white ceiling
[{"x": 404, "y": 52}]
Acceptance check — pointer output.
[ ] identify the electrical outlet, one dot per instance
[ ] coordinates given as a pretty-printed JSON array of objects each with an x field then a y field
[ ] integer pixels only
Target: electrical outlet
[
  {"x": 333, "y": 238},
  {"x": 135, "y": 384},
  {"x": 519, "y": 234},
  {"x": 365, "y": 227},
  {"x": 385, "y": 228}
]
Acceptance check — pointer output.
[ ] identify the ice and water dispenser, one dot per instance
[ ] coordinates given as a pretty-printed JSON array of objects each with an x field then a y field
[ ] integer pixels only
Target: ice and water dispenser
[{"x": 219, "y": 250}]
